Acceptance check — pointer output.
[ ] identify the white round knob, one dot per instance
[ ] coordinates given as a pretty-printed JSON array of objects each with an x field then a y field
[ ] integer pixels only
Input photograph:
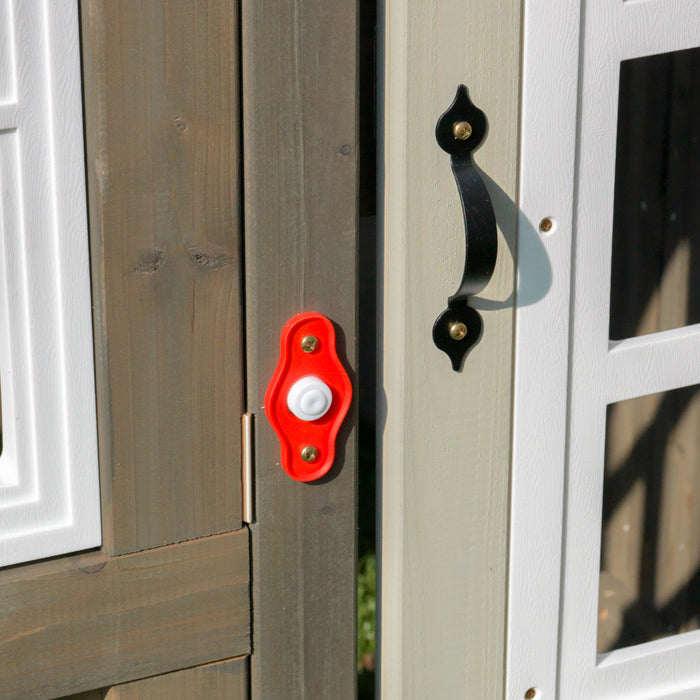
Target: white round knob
[{"x": 309, "y": 398}]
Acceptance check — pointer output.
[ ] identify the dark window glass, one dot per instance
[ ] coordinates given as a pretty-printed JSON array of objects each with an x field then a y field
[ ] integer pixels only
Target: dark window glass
[
  {"x": 650, "y": 554},
  {"x": 655, "y": 283}
]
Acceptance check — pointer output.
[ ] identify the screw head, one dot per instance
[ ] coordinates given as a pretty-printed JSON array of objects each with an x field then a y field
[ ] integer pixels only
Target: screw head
[
  {"x": 546, "y": 226},
  {"x": 461, "y": 130},
  {"x": 530, "y": 693},
  {"x": 309, "y": 453},
  {"x": 457, "y": 330},
  {"x": 309, "y": 343}
]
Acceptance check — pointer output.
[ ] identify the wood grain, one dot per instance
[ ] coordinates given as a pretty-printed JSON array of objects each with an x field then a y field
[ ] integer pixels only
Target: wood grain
[
  {"x": 300, "y": 163},
  {"x": 161, "y": 109},
  {"x": 226, "y": 680},
  {"x": 161, "y": 92},
  {"x": 75, "y": 624}
]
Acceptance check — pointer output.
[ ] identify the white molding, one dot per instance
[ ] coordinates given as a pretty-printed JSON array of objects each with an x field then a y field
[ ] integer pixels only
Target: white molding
[
  {"x": 49, "y": 496},
  {"x": 548, "y": 143},
  {"x": 652, "y": 363}
]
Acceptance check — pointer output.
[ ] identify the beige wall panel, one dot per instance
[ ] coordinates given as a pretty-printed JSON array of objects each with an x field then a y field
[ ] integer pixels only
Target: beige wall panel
[{"x": 446, "y": 436}]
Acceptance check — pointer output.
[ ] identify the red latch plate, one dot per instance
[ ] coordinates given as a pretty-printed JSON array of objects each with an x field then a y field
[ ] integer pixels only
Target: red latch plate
[{"x": 294, "y": 433}]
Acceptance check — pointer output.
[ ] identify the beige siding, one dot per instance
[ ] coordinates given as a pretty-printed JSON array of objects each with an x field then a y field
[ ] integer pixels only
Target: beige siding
[{"x": 446, "y": 436}]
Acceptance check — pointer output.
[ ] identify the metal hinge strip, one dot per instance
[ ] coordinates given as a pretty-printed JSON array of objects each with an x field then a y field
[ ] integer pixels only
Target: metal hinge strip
[{"x": 247, "y": 467}]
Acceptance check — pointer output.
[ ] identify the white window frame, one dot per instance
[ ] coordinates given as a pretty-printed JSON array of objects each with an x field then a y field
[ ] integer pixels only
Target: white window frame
[{"x": 566, "y": 368}]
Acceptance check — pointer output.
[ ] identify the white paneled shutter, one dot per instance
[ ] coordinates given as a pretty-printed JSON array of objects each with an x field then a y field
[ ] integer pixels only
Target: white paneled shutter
[
  {"x": 49, "y": 491},
  {"x": 570, "y": 373}
]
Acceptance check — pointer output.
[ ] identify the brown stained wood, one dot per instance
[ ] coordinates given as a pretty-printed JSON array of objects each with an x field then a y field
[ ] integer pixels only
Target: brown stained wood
[
  {"x": 161, "y": 121},
  {"x": 161, "y": 113},
  {"x": 86, "y": 622},
  {"x": 227, "y": 680},
  {"x": 223, "y": 680},
  {"x": 300, "y": 164}
]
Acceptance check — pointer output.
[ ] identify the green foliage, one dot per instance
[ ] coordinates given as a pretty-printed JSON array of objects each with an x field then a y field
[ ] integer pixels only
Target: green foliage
[{"x": 366, "y": 608}]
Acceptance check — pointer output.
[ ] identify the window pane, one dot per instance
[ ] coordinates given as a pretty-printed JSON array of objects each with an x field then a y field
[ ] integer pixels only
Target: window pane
[
  {"x": 650, "y": 553},
  {"x": 655, "y": 281}
]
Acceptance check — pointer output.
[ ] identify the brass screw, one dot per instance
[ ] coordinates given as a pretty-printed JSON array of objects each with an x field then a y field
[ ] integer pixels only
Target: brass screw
[
  {"x": 530, "y": 693},
  {"x": 546, "y": 226},
  {"x": 309, "y": 453},
  {"x": 309, "y": 343},
  {"x": 462, "y": 130},
  {"x": 457, "y": 330}
]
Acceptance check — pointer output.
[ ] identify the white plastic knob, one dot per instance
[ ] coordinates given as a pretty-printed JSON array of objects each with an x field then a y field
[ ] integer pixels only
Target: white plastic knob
[{"x": 309, "y": 398}]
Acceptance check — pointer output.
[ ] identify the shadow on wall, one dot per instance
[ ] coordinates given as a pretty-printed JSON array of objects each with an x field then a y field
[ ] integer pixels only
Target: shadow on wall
[{"x": 534, "y": 268}]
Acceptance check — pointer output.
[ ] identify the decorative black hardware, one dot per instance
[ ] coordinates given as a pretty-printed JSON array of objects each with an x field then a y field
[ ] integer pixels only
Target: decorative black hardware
[{"x": 459, "y": 131}]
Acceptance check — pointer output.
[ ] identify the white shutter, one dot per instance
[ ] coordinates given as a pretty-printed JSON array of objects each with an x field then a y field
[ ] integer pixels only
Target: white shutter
[
  {"x": 49, "y": 492},
  {"x": 567, "y": 370}
]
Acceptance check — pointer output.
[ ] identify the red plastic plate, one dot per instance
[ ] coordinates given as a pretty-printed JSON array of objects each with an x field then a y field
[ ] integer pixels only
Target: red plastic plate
[{"x": 295, "y": 434}]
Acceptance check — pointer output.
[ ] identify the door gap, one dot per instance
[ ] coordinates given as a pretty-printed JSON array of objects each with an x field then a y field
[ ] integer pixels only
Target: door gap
[{"x": 367, "y": 356}]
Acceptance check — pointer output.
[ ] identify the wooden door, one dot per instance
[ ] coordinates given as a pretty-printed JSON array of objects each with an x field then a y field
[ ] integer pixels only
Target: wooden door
[
  {"x": 169, "y": 589},
  {"x": 185, "y": 339}
]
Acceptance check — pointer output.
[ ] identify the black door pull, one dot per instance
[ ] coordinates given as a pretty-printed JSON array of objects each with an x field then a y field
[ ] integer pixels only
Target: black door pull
[{"x": 459, "y": 131}]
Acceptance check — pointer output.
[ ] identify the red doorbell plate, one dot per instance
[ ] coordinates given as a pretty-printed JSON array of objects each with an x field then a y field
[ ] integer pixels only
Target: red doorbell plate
[{"x": 308, "y": 396}]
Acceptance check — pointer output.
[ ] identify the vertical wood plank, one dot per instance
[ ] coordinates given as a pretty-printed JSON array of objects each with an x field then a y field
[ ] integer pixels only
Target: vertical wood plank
[
  {"x": 226, "y": 680},
  {"x": 161, "y": 109},
  {"x": 446, "y": 436},
  {"x": 300, "y": 164}
]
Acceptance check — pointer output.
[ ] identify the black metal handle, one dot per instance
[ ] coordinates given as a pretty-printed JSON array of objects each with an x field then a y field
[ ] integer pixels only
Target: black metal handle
[{"x": 459, "y": 131}]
